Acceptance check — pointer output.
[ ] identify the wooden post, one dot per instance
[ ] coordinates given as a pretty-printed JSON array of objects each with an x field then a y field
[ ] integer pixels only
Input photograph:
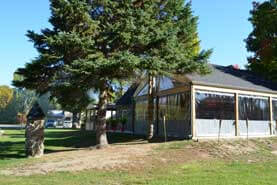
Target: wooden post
[
  {"x": 158, "y": 80},
  {"x": 157, "y": 115},
  {"x": 219, "y": 129},
  {"x": 275, "y": 125},
  {"x": 237, "y": 114},
  {"x": 133, "y": 116},
  {"x": 193, "y": 113},
  {"x": 164, "y": 123},
  {"x": 271, "y": 115},
  {"x": 247, "y": 126}
]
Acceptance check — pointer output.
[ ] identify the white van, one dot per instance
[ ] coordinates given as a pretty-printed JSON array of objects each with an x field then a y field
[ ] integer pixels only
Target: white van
[
  {"x": 67, "y": 123},
  {"x": 59, "y": 119}
]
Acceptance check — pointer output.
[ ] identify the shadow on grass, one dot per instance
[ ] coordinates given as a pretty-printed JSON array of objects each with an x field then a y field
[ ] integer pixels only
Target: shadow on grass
[
  {"x": 11, "y": 150},
  {"x": 84, "y": 139},
  {"x": 60, "y": 140}
]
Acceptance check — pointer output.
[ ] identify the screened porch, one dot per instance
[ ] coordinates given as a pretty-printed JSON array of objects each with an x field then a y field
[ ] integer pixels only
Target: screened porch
[{"x": 171, "y": 109}]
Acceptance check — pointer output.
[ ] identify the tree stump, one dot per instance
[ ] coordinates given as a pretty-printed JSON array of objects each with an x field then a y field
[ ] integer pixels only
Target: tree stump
[
  {"x": 1, "y": 132},
  {"x": 34, "y": 143},
  {"x": 34, "y": 132}
]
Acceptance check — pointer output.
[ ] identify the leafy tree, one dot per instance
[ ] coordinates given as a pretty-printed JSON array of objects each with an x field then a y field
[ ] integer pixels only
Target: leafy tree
[
  {"x": 119, "y": 88},
  {"x": 6, "y": 95},
  {"x": 24, "y": 99},
  {"x": 71, "y": 42},
  {"x": 73, "y": 100},
  {"x": 19, "y": 104},
  {"x": 262, "y": 41},
  {"x": 47, "y": 103},
  {"x": 22, "y": 102},
  {"x": 111, "y": 59},
  {"x": 94, "y": 44},
  {"x": 159, "y": 37},
  {"x": 168, "y": 40}
]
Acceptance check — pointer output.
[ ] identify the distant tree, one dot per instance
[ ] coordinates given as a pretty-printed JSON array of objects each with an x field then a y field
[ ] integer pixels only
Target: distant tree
[
  {"x": 262, "y": 41},
  {"x": 24, "y": 98},
  {"x": 47, "y": 103},
  {"x": 22, "y": 102},
  {"x": 6, "y": 95},
  {"x": 119, "y": 89},
  {"x": 73, "y": 99},
  {"x": 18, "y": 104}
]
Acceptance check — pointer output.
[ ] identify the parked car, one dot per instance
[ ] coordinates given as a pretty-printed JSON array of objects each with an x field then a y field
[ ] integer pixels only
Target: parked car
[
  {"x": 50, "y": 123},
  {"x": 60, "y": 123}
]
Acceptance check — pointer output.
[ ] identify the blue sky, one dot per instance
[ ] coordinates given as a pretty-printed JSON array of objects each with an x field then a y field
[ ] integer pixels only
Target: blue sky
[{"x": 223, "y": 26}]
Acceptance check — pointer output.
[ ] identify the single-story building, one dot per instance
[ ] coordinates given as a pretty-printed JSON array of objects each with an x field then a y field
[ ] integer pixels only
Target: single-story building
[
  {"x": 125, "y": 107},
  {"x": 228, "y": 102},
  {"x": 91, "y": 113}
]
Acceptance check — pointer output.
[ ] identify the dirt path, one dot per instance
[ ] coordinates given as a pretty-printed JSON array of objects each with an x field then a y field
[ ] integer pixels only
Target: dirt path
[
  {"x": 116, "y": 156},
  {"x": 138, "y": 157}
]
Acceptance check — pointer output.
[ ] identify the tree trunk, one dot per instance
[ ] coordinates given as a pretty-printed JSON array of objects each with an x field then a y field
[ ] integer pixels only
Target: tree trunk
[
  {"x": 75, "y": 117},
  {"x": 101, "y": 135},
  {"x": 1, "y": 132},
  {"x": 34, "y": 134},
  {"x": 150, "y": 112}
]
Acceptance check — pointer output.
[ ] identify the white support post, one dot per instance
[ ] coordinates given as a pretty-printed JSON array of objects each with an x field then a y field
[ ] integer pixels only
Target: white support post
[
  {"x": 237, "y": 114},
  {"x": 271, "y": 115},
  {"x": 193, "y": 114}
]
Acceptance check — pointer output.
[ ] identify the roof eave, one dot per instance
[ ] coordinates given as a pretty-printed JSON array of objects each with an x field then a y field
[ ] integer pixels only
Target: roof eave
[{"x": 231, "y": 87}]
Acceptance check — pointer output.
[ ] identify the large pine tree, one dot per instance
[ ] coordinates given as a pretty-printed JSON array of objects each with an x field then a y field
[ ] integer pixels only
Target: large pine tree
[
  {"x": 94, "y": 43},
  {"x": 167, "y": 40},
  {"x": 262, "y": 41},
  {"x": 87, "y": 48}
]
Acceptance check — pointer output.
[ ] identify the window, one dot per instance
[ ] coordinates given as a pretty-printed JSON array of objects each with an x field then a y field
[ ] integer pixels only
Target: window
[
  {"x": 175, "y": 107},
  {"x": 141, "y": 109},
  {"x": 144, "y": 91},
  {"x": 253, "y": 108},
  {"x": 212, "y": 105},
  {"x": 168, "y": 83}
]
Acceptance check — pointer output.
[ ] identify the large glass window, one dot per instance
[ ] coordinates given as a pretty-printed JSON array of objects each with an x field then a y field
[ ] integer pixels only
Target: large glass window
[
  {"x": 253, "y": 108},
  {"x": 163, "y": 83},
  {"x": 141, "y": 109},
  {"x": 168, "y": 83},
  {"x": 212, "y": 105},
  {"x": 175, "y": 107},
  {"x": 144, "y": 91}
]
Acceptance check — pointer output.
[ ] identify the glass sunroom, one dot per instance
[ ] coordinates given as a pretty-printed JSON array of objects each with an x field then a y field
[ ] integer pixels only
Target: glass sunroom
[
  {"x": 226, "y": 103},
  {"x": 174, "y": 106}
]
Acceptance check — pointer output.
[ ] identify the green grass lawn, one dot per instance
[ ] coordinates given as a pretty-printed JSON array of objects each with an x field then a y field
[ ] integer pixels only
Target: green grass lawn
[
  {"x": 215, "y": 171},
  {"x": 56, "y": 140}
]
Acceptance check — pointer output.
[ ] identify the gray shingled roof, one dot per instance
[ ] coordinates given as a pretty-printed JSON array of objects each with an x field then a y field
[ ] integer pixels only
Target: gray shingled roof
[
  {"x": 233, "y": 78},
  {"x": 126, "y": 99}
]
